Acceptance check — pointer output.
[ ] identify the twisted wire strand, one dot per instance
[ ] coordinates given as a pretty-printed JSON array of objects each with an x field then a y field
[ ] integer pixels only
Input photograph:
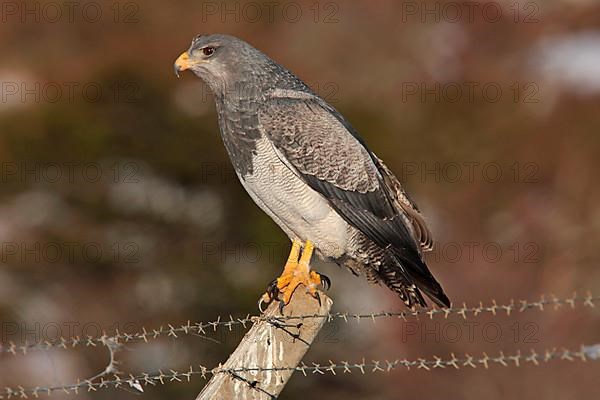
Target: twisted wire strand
[
  {"x": 139, "y": 381},
  {"x": 204, "y": 328}
]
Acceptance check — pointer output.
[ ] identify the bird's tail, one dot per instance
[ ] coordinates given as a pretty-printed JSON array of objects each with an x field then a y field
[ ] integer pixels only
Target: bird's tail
[{"x": 408, "y": 275}]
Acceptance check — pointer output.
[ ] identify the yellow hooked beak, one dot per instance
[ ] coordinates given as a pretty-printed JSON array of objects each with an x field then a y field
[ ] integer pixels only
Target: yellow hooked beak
[{"x": 183, "y": 62}]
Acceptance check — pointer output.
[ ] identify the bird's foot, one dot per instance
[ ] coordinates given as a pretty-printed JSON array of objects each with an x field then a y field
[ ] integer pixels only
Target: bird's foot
[
  {"x": 294, "y": 274},
  {"x": 283, "y": 288}
]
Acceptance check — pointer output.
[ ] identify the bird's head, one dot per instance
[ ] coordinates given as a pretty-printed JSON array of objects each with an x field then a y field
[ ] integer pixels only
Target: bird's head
[{"x": 220, "y": 60}]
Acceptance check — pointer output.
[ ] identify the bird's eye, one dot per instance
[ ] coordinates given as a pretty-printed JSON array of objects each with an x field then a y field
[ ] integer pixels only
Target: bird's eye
[{"x": 208, "y": 51}]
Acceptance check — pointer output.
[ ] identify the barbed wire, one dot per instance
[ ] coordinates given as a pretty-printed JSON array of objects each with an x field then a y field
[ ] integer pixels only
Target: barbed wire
[
  {"x": 204, "y": 328},
  {"x": 139, "y": 381}
]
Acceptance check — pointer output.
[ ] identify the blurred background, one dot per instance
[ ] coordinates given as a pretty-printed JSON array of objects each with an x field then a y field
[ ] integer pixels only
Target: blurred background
[{"x": 119, "y": 208}]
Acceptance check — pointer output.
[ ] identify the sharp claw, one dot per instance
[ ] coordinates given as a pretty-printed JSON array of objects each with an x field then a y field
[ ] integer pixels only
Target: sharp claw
[
  {"x": 281, "y": 305},
  {"x": 271, "y": 294},
  {"x": 265, "y": 301},
  {"x": 318, "y": 297},
  {"x": 325, "y": 282},
  {"x": 272, "y": 290},
  {"x": 260, "y": 303}
]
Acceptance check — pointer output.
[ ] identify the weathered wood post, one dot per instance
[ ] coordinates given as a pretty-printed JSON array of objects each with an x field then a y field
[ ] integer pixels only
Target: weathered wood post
[{"x": 269, "y": 345}]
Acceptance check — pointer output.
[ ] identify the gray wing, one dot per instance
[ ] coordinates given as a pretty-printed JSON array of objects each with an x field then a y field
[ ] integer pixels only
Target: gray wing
[
  {"x": 403, "y": 200},
  {"x": 321, "y": 147}
]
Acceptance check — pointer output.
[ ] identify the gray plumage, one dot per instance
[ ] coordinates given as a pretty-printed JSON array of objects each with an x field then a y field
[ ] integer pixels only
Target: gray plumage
[{"x": 306, "y": 167}]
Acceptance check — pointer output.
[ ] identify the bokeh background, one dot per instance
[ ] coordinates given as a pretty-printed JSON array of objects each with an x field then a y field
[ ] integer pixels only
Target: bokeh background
[{"x": 119, "y": 208}]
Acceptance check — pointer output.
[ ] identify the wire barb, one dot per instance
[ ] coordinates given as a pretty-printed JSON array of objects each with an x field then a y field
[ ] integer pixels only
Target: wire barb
[
  {"x": 485, "y": 361},
  {"x": 203, "y": 328},
  {"x": 111, "y": 377}
]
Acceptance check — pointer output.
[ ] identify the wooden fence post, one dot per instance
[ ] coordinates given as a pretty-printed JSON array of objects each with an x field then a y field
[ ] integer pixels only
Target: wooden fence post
[{"x": 269, "y": 345}]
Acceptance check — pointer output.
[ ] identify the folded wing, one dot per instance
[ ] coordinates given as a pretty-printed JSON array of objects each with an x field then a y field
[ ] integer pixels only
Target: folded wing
[{"x": 321, "y": 147}]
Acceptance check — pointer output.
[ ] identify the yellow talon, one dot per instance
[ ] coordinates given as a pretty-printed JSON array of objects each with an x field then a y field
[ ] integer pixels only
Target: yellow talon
[{"x": 295, "y": 273}]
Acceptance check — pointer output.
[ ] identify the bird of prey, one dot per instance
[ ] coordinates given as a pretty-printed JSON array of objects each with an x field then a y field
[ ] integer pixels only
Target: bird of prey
[{"x": 305, "y": 166}]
